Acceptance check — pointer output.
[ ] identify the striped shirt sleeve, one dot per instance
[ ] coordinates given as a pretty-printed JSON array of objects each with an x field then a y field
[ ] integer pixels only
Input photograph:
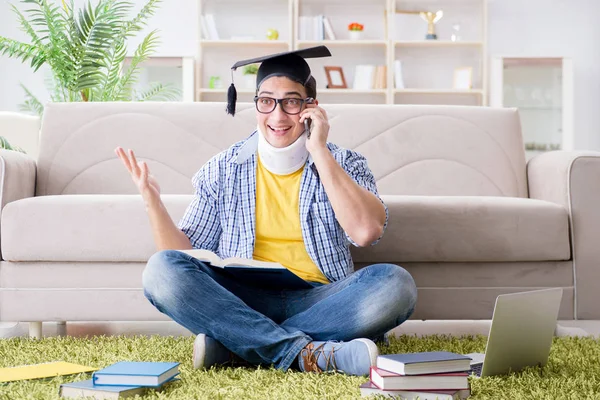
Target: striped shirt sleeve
[
  {"x": 356, "y": 167},
  {"x": 201, "y": 219}
]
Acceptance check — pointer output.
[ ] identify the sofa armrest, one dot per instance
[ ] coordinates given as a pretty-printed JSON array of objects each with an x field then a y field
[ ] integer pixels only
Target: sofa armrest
[
  {"x": 572, "y": 179},
  {"x": 17, "y": 176}
]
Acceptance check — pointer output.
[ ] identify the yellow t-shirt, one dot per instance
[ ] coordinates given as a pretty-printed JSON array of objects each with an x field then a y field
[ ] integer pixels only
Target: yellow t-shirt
[{"x": 278, "y": 231}]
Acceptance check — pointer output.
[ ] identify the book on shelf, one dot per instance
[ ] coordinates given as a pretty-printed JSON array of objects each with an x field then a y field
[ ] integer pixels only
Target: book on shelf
[
  {"x": 367, "y": 77},
  {"x": 380, "y": 81},
  {"x": 259, "y": 273},
  {"x": 311, "y": 27},
  {"x": 208, "y": 20},
  {"x": 328, "y": 29},
  {"x": 387, "y": 380},
  {"x": 431, "y": 362},
  {"x": 363, "y": 77},
  {"x": 136, "y": 373},
  {"x": 204, "y": 28},
  {"x": 369, "y": 389},
  {"x": 398, "y": 80}
]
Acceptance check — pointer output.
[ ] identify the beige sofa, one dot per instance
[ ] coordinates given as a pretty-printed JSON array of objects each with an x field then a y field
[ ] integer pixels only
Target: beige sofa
[{"x": 469, "y": 218}]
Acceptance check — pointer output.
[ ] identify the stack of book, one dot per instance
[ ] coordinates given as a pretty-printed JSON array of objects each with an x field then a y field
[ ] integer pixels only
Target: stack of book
[
  {"x": 438, "y": 375},
  {"x": 121, "y": 380}
]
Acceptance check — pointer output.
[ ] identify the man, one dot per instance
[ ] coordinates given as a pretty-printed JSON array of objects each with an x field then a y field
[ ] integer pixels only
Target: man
[{"x": 284, "y": 197}]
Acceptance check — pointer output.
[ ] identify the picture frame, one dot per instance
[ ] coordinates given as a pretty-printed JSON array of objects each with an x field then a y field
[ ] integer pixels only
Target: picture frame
[
  {"x": 463, "y": 78},
  {"x": 335, "y": 77}
]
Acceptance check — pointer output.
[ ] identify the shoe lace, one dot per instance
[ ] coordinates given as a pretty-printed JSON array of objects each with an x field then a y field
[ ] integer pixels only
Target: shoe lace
[{"x": 310, "y": 356}]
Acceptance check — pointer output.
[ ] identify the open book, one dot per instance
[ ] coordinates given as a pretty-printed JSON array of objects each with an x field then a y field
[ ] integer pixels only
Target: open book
[{"x": 259, "y": 273}]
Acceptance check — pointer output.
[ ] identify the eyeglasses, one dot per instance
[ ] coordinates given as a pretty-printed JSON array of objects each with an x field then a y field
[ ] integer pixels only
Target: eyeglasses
[{"x": 292, "y": 106}]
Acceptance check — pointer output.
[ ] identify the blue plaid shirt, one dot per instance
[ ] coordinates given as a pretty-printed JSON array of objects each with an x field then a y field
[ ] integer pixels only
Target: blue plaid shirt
[{"x": 221, "y": 217}]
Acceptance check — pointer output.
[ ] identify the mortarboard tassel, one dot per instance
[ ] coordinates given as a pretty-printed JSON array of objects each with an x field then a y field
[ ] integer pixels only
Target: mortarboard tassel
[{"x": 231, "y": 99}]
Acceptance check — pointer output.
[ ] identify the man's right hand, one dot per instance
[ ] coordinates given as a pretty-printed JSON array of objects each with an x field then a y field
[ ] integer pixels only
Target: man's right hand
[{"x": 146, "y": 184}]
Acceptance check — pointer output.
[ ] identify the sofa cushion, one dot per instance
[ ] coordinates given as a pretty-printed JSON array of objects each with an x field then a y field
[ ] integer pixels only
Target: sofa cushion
[
  {"x": 115, "y": 228},
  {"x": 465, "y": 228},
  {"x": 82, "y": 228}
]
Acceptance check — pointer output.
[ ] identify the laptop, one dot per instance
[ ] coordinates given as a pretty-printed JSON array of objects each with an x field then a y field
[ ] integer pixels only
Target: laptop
[{"x": 523, "y": 325}]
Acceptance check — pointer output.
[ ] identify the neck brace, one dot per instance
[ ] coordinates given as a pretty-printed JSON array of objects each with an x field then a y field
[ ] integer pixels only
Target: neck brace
[{"x": 282, "y": 161}]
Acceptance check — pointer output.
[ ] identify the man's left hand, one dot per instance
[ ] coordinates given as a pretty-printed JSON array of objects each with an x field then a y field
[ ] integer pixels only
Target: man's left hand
[{"x": 319, "y": 128}]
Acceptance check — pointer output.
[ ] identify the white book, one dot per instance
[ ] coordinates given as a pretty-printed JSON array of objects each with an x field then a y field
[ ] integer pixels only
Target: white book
[
  {"x": 328, "y": 29},
  {"x": 386, "y": 380},
  {"x": 88, "y": 389},
  {"x": 368, "y": 389},
  {"x": 259, "y": 273},
  {"x": 302, "y": 28},
  {"x": 321, "y": 30},
  {"x": 204, "y": 28},
  {"x": 398, "y": 80},
  {"x": 364, "y": 76},
  {"x": 212, "y": 27},
  {"x": 358, "y": 75}
]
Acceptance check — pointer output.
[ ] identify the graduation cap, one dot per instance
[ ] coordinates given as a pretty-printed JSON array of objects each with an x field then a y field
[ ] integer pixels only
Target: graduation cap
[{"x": 290, "y": 64}]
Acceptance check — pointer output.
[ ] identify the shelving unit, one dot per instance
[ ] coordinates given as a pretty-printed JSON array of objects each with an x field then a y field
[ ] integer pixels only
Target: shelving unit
[
  {"x": 427, "y": 65},
  {"x": 177, "y": 72},
  {"x": 242, "y": 30}
]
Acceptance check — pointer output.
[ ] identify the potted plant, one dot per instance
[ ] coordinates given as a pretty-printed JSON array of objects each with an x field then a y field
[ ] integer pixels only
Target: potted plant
[
  {"x": 85, "y": 50},
  {"x": 355, "y": 30},
  {"x": 250, "y": 72}
]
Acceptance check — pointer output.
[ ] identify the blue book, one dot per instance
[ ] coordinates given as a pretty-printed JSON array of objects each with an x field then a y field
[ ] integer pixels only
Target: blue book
[
  {"x": 134, "y": 373},
  {"x": 88, "y": 389},
  {"x": 433, "y": 362}
]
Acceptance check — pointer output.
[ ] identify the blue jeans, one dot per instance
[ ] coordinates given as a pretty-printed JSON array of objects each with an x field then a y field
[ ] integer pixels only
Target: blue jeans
[{"x": 272, "y": 326}]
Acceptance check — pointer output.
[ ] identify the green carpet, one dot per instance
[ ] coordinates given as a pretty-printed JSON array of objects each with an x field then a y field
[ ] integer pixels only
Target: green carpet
[{"x": 573, "y": 371}]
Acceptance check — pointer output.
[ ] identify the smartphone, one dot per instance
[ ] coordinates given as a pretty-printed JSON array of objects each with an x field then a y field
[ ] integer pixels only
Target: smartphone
[{"x": 307, "y": 123}]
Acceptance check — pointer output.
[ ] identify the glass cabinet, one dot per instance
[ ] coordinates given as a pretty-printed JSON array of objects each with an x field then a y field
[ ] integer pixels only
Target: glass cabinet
[{"x": 541, "y": 88}]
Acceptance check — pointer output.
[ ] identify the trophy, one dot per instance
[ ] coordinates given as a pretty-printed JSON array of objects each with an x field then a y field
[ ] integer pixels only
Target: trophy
[
  {"x": 428, "y": 16},
  {"x": 431, "y": 18}
]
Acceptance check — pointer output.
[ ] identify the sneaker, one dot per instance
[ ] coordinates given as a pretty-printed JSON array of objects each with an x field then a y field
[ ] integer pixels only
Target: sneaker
[
  {"x": 209, "y": 352},
  {"x": 353, "y": 358}
]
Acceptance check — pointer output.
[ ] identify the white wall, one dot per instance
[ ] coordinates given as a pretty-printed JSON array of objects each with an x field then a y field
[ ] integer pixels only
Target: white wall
[
  {"x": 556, "y": 28},
  {"x": 516, "y": 27},
  {"x": 13, "y": 72}
]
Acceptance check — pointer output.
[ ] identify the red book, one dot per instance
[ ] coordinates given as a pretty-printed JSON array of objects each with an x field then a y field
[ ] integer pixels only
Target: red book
[{"x": 387, "y": 380}]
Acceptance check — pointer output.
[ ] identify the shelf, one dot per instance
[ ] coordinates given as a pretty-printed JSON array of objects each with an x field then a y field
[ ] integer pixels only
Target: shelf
[
  {"x": 310, "y": 43},
  {"x": 536, "y": 108},
  {"x": 438, "y": 91},
  {"x": 435, "y": 43},
  {"x": 243, "y": 91},
  {"x": 319, "y": 90},
  {"x": 270, "y": 43},
  {"x": 351, "y": 91},
  {"x": 425, "y": 64}
]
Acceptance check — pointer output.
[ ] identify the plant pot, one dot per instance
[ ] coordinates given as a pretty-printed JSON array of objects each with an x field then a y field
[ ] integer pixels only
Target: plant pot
[{"x": 355, "y": 35}]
